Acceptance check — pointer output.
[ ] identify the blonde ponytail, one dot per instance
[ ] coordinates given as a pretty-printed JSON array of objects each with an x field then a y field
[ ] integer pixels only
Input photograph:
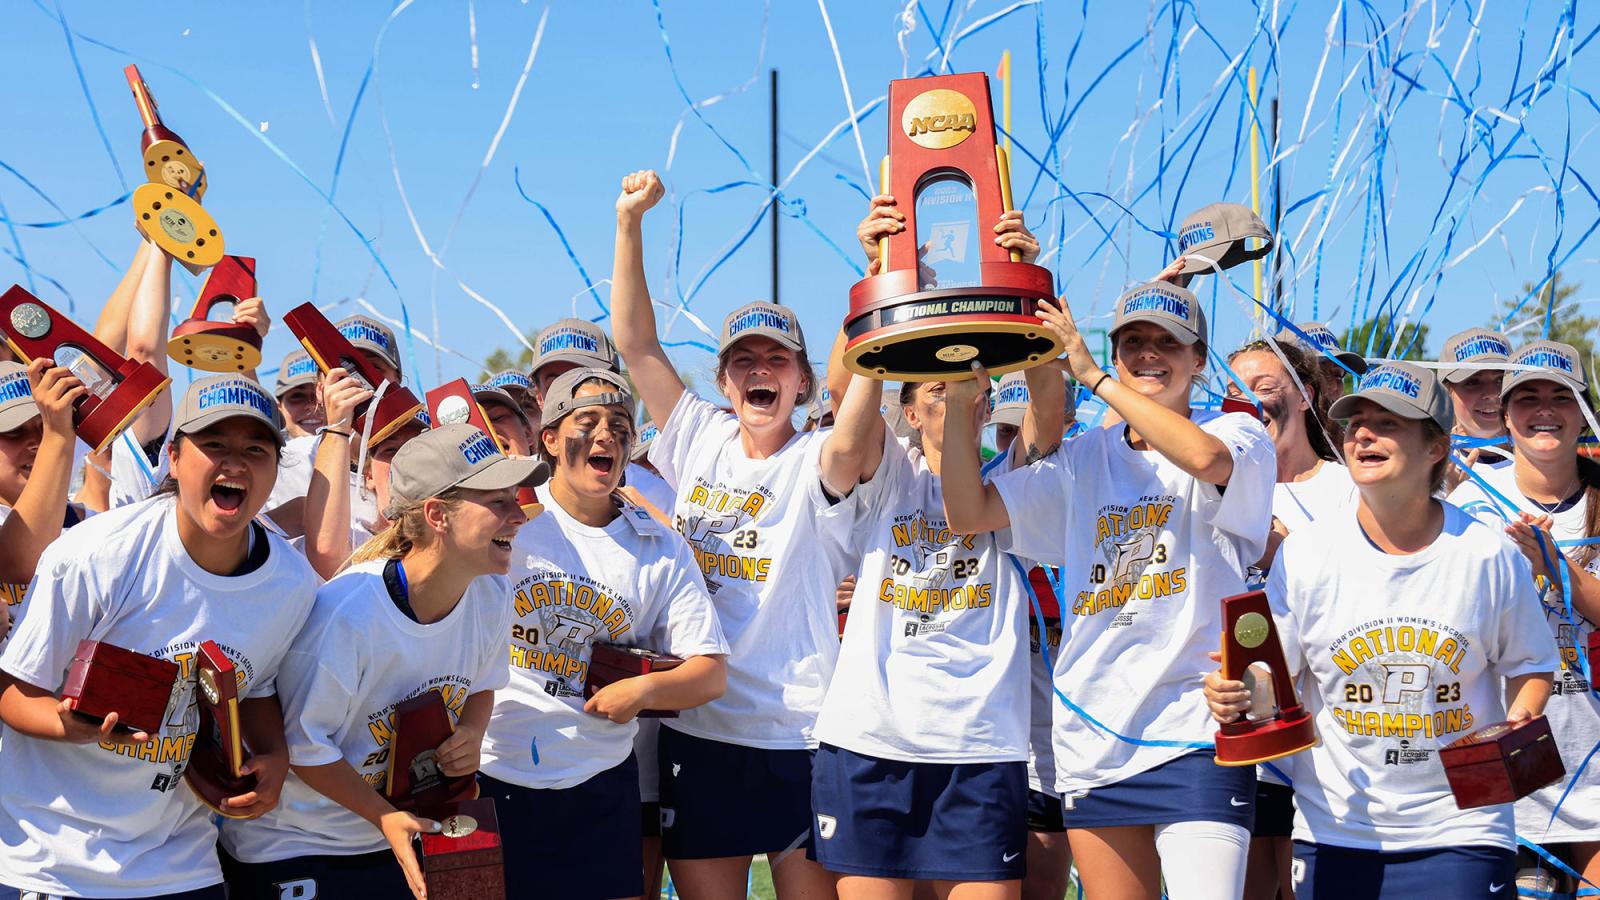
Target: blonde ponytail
[{"x": 406, "y": 531}]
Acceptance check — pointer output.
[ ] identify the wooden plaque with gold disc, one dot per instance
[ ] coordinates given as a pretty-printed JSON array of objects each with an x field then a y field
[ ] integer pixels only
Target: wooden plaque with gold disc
[
  {"x": 945, "y": 294},
  {"x": 167, "y": 159},
  {"x": 209, "y": 339}
]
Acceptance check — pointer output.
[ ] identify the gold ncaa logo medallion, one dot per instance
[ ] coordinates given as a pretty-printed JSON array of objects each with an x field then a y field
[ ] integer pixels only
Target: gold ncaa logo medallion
[
  {"x": 1251, "y": 630},
  {"x": 939, "y": 119}
]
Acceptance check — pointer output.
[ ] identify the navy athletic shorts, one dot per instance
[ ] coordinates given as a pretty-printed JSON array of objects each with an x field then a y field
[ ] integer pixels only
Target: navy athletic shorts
[
  {"x": 1325, "y": 872},
  {"x": 1274, "y": 810},
  {"x": 892, "y": 819},
  {"x": 215, "y": 892},
  {"x": 375, "y": 874},
  {"x": 1044, "y": 813},
  {"x": 720, "y": 799},
  {"x": 1191, "y": 788},
  {"x": 581, "y": 842}
]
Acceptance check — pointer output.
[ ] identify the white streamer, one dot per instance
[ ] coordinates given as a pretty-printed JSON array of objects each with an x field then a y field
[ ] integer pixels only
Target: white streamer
[{"x": 850, "y": 104}]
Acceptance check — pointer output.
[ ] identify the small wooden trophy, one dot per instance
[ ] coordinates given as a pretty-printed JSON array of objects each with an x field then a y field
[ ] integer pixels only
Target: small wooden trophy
[
  {"x": 1249, "y": 636},
  {"x": 414, "y": 782},
  {"x": 938, "y": 302},
  {"x": 465, "y": 860},
  {"x": 118, "y": 388},
  {"x": 330, "y": 349},
  {"x": 209, "y": 339},
  {"x": 104, "y": 679},
  {"x": 216, "y": 764},
  {"x": 1502, "y": 763},
  {"x": 453, "y": 403},
  {"x": 613, "y": 662}
]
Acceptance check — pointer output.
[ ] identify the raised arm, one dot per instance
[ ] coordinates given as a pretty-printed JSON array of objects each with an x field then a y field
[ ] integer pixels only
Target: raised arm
[
  {"x": 147, "y": 340},
  {"x": 1045, "y": 421},
  {"x": 970, "y": 505},
  {"x": 633, "y": 319},
  {"x": 326, "y": 515},
  {"x": 1169, "y": 433},
  {"x": 38, "y": 515},
  {"x": 111, "y": 328},
  {"x": 853, "y": 450}
]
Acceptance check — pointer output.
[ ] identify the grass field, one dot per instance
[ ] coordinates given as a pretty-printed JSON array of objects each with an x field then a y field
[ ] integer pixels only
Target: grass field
[{"x": 761, "y": 883}]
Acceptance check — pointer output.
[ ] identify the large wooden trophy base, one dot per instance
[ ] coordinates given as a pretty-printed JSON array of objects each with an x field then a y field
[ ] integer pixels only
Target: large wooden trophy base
[
  {"x": 104, "y": 679},
  {"x": 1502, "y": 763},
  {"x": 465, "y": 860},
  {"x": 178, "y": 225}
]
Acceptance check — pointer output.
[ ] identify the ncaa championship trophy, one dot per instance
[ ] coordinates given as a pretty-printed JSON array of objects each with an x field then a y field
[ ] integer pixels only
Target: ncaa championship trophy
[
  {"x": 216, "y": 764},
  {"x": 945, "y": 295},
  {"x": 118, "y": 388},
  {"x": 1249, "y": 636},
  {"x": 464, "y": 860},
  {"x": 209, "y": 339},
  {"x": 167, "y": 207},
  {"x": 331, "y": 350},
  {"x": 453, "y": 403}
]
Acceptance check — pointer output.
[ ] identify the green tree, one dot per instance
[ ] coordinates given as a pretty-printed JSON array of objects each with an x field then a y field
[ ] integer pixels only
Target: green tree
[
  {"x": 1567, "y": 324},
  {"x": 502, "y": 359},
  {"x": 1413, "y": 342}
]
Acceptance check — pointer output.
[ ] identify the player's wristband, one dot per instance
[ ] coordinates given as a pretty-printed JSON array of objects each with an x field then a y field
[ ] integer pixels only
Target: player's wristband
[
  {"x": 344, "y": 434},
  {"x": 1095, "y": 391}
]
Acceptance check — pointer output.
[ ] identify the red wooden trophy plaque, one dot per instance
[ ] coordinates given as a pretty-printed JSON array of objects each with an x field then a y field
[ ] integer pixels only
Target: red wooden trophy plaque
[
  {"x": 464, "y": 861},
  {"x": 104, "y": 679},
  {"x": 453, "y": 403},
  {"x": 946, "y": 294},
  {"x": 167, "y": 159},
  {"x": 1249, "y": 636},
  {"x": 167, "y": 208},
  {"x": 118, "y": 388},
  {"x": 209, "y": 339},
  {"x": 414, "y": 782},
  {"x": 611, "y": 662},
  {"x": 330, "y": 349},
  {"x": 1502, "y": 763},
  {"x": 216, "y": 764}
]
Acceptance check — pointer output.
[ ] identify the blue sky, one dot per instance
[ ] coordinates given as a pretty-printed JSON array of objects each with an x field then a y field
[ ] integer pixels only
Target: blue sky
[{"x": 1404, "y": 91}]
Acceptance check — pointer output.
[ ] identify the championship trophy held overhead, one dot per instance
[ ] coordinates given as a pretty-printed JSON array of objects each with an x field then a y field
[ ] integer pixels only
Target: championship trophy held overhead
[{"x": 945, "y": 295}]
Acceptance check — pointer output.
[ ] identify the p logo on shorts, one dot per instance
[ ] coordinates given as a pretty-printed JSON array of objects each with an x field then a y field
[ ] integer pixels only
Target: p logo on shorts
[
  {"x": 668, "y": 817},
  {"x": 826, "y": 826},
  {"x": 1297, "y": 871},
  {"x": 299, "y": 889}
]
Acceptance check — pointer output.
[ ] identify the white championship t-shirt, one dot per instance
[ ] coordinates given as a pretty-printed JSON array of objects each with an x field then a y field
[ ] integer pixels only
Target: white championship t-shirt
[
  {"x": 772, "y": 550},
  {"x": 87, "y": 820},
  {"x": 357, "y": 658},
  {"x": 13, "y": 593},
  {"x": 1573, "y": 710},
  {"x": 133, "y": 476},
  {"x": 1147, "y": 551},
  {"x": 651, "y": 487},
  {"x": 933, "y": 667},
  {"x": 633, "y": 583},
  {"x": 1394, "y": 657},
  {"x": 1299, "y": 503}
]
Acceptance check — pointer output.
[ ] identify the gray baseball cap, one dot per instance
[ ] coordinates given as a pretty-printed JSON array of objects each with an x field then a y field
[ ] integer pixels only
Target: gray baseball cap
[
  {"x": 512, "y": 382},
  {"x": 298, "y": 368},
  {"x": 559, "y": 400},
  {"x": 455, "y": 456},
  {"x": 16, "y": 397},
  {"x": 366, "y": 333},
  {"x": 577, "y": 341},
  {"x": 1323, "y": 341},
  {"x": 214, "y": 398},
  {"x": 1556, "y": 362},
  {"x": 1219, "y": 232},
  {"x": 485, "y": 393},
  {"x": 764, "y": 320},
  {"x": 1403, "y": 389},
  {"x": 1475, "y": 345},
  {"x": 1174, "y": 308},
  {"x": 1011, "y": 399},
  {"x": 647, "y": 433}
]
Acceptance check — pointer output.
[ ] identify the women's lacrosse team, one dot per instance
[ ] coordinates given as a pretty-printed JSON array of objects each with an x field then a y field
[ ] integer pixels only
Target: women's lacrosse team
[{"x": 1028, "y": 678}]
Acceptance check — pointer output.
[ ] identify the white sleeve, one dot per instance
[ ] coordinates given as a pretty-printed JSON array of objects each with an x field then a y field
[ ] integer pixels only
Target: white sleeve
[
  {"x": 1038, "y": 500},
  {"x": 1517, "y": 641},
  {"x": 1283, "y": 614},
  {"x": 691, "y": 425},
  {"x": 133, "y": 476},
  {"x": 67, "y": 599},
  {"x": 869, "y": 497},
  {"x": 318, "y": 692},
  {"x": 687, "y": 624},
  {"x": 494, "y": 667},
  {"x": 1244, "y": 508}
]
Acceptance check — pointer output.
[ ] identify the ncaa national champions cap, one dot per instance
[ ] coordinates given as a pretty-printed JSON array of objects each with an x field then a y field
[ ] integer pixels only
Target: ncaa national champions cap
[
  {"x": 1403, "y": 389},
  {"x": 1556, "y": 362},
  {"x": 1011, "y": 399},
  {"x": 454, "y": 456},
  {"x": 512, "y": 382},
  {"x": 577, "y": 341},
  {"x": 559, "y": 400},
  {"x": 365, "y": 333},
  {"x": 764, "y": 320},
  {"x": 1219, "y": 233},
  {"x": 16, "y": 397},
  {"x": 214, "y": 398},
  {"x": 641, "y": 449},
  {"x": 1322, "y": 340},
  {"x": 297, "y": 368},
  {"x": 1174, "y": 308},
  {"x": 485, "y": 393},
  {"x": 1475, "y": 345}
]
